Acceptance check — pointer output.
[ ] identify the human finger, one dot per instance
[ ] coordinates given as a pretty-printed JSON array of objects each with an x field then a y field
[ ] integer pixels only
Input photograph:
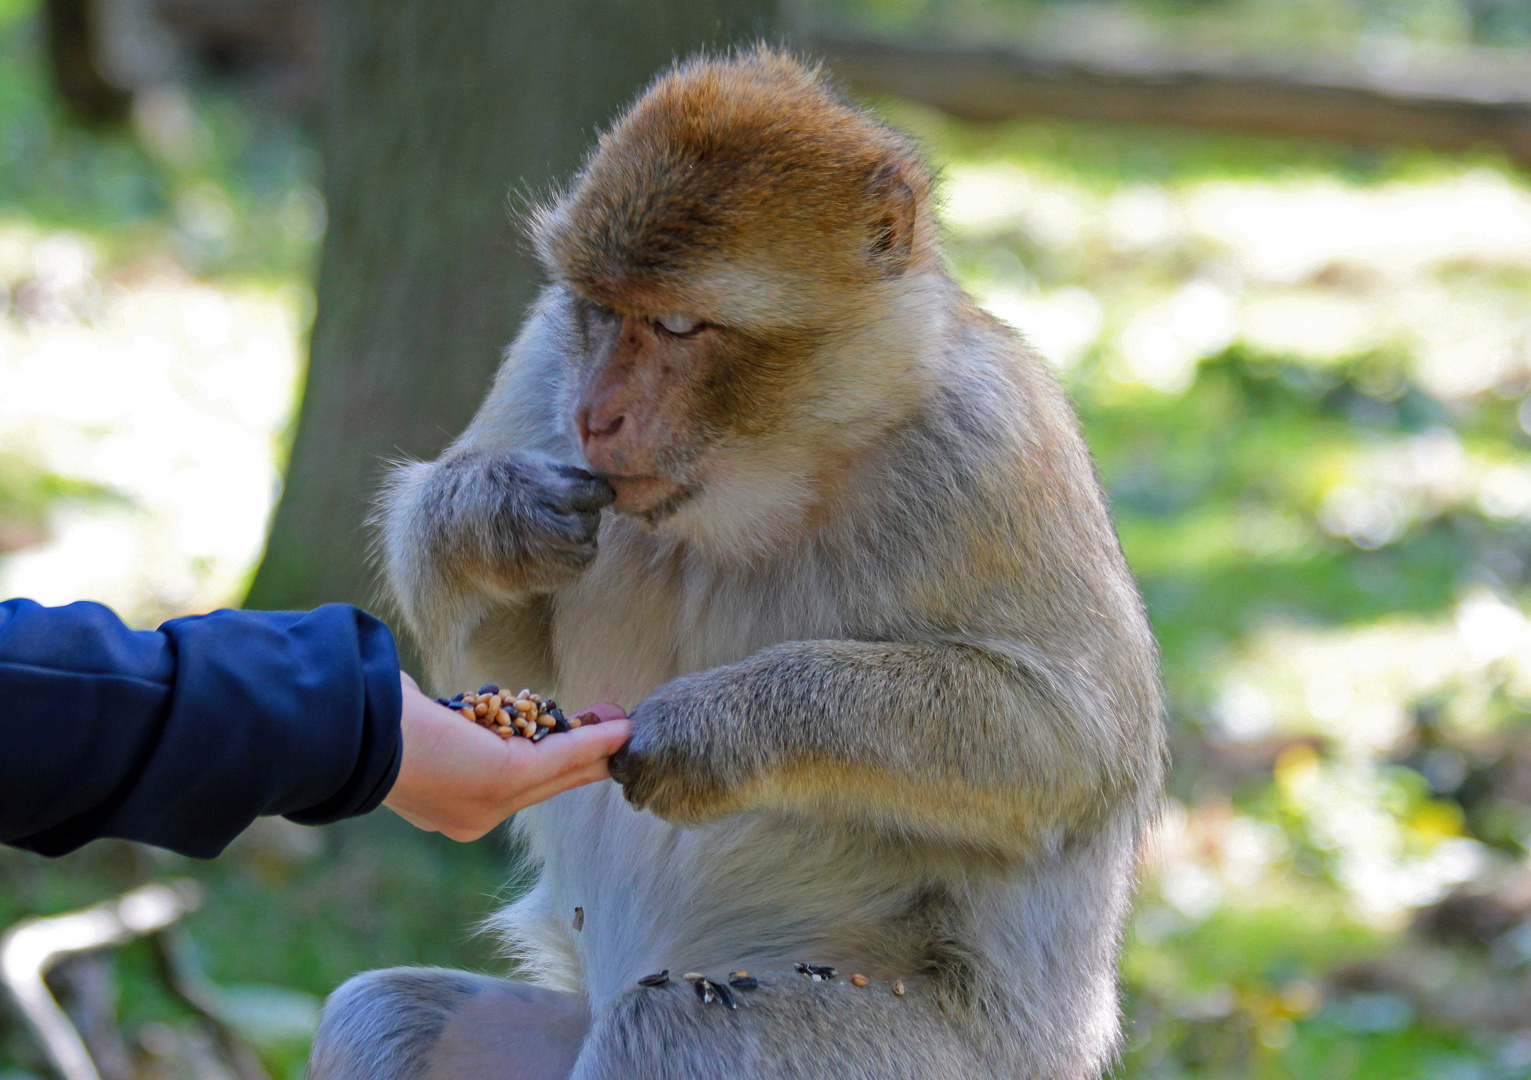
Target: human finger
[
  {"x": 585, "y": 774},
  {"x": 593, "y": 743}
]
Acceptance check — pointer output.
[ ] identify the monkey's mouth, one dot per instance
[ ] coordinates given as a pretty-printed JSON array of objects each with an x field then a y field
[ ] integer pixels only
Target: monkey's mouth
[{"x": 652, "y": 498}]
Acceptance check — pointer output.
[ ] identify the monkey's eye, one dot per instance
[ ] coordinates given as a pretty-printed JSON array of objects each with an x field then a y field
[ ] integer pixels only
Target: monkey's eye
[{"x": 679, "y": 325}]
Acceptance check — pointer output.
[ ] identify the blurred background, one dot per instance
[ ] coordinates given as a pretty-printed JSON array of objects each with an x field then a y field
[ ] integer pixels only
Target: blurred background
[{"x": 1278, "y": 250}]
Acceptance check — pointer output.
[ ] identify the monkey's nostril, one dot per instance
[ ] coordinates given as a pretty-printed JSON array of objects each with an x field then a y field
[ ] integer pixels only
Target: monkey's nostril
[{"x": 594, "y": 426}]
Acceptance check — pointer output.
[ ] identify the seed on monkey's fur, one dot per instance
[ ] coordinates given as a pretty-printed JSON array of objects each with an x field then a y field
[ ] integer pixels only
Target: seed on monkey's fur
[
  {"x": 898, "y": 988},
  {"x": 489, "y": 688},
  {"x": 659, "y": 978},
  {"x": 579, "y": 918},
  {"x": 692, "y": 976},
  {"x": 740, "y": 981},
  {"x": 709, "y": 991},
  {"x": 816, "y": 972},
  {"x": 858, "y": 980}
]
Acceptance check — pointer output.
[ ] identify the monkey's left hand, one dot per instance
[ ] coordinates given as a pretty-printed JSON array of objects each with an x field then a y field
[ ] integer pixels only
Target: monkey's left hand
[{"x": 681, "y": 762}]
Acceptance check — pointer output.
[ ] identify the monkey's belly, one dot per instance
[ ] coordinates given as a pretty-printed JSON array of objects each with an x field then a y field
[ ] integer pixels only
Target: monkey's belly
[{"x": 752, "y": 892}]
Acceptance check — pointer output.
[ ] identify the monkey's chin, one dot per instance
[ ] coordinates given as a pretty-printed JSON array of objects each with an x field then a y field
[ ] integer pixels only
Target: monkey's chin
[{"x": 649, "y": 498}]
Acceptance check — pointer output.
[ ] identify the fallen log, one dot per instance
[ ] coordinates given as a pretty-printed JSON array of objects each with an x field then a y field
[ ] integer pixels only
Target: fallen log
[{"x": 1457, "y": 108}]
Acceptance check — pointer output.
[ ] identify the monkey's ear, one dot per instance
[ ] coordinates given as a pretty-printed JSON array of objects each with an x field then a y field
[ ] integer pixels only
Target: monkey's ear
[{"x": 893, "y": 219}]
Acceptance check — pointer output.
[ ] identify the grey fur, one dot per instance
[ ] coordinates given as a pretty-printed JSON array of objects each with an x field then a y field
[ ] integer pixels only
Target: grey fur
[
  {"x": 907, "y": 724},
  {"x": 381, "y": 1025}
]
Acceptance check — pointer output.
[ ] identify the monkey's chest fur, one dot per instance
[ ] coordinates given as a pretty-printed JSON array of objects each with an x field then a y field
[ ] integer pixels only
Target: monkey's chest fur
[{"x": 757, "y": 891}]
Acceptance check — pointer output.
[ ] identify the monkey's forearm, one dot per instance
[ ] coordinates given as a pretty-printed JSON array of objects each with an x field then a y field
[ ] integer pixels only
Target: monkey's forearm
[{"x": 944, "y": 739}]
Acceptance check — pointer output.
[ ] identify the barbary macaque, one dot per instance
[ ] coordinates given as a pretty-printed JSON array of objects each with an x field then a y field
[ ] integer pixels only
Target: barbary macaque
[{"x": 759, "y": 471}]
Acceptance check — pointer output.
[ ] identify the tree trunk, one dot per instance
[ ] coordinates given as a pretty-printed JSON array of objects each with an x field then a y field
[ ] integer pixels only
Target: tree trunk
[{"x": 441, "y": 117}]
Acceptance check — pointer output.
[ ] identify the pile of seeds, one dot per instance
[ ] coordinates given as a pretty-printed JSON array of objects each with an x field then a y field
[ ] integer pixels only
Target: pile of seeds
[{"x": 526, "y": 714}]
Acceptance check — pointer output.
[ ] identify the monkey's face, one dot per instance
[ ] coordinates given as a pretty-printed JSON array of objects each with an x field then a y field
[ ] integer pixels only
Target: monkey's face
[
  {"x": 663, "y": 395},
  {"x": 725, "y": 245}
]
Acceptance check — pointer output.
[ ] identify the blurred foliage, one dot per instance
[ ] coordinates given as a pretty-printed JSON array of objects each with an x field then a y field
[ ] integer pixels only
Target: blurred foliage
[
  {"x": 1304, "y": 372},
  {"x": 216, "y": 185},
  {"x": 28, "y": 493},
  {"x": 1377, "y": 30}
]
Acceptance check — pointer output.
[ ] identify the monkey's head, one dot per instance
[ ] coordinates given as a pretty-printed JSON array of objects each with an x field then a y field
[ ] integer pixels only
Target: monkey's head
[{"x": 743, "y": 252}]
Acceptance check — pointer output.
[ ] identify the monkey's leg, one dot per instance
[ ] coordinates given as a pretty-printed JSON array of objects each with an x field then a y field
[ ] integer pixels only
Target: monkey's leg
[
  {"x": 435, "y": 1024},
  {"x": 787, "y": 1029}
]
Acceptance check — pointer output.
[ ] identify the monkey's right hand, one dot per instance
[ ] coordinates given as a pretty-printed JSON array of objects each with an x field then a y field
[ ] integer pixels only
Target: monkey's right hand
[{"x": 519, "y": 522}]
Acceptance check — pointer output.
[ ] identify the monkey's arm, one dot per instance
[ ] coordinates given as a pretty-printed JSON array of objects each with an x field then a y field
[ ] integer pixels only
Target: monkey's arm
[
  {"x": 473, "y": 541},
  {"x": 953, "y": 742}
]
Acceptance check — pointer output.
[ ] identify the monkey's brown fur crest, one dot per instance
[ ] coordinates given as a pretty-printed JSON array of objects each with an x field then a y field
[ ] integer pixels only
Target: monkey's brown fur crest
[
  {"x": 894, "y": 698},
  {"x": 722, "y": 157}
]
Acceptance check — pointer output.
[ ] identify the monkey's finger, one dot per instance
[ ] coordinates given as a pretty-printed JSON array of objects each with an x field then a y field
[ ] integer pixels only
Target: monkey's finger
[
  {"x": 621, "y": 764},
  {"x": 585, "y": 492},
  {"x": 577, "y": 530}
]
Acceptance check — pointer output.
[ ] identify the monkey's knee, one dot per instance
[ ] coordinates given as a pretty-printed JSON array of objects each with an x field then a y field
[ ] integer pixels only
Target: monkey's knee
[{"x": 382, "y": 1025}]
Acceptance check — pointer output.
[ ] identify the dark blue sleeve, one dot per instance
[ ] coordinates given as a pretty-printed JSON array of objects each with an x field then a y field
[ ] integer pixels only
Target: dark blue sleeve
[{"x": 181, "y": 737}]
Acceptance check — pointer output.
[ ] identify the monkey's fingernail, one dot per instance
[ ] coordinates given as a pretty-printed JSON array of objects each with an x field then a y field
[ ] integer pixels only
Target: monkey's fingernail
[{"x": 619, "y": 763}]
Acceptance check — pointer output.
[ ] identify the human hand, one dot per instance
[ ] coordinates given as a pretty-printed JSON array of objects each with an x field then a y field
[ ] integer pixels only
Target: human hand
[{"x": 461, "y": 780}]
